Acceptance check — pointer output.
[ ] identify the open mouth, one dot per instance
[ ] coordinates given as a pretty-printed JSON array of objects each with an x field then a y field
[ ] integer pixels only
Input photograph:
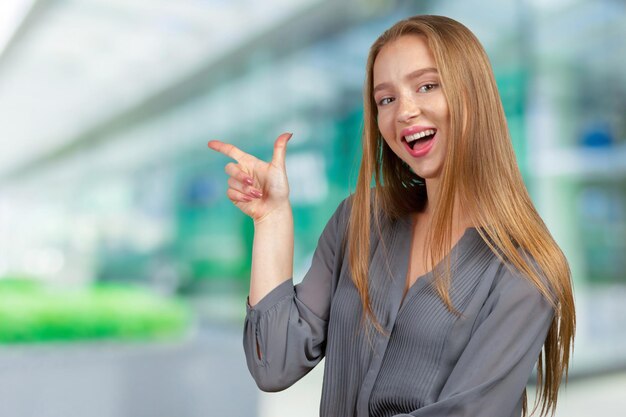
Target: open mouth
[{"x": 419, "y": 140}]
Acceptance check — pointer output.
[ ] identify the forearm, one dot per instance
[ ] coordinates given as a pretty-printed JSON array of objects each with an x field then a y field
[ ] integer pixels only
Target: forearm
[{"x": 272, "y": 252}]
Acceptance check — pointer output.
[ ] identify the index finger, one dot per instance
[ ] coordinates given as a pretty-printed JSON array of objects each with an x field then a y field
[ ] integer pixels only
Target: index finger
[{"x": 227, "y": 149}]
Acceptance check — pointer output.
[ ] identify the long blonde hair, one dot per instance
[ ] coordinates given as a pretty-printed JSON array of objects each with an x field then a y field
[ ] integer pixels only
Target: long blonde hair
[{"x": 480, "y": 170}]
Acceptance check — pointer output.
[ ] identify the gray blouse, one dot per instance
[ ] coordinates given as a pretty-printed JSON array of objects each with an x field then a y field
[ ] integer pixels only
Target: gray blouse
[{"x": 431, "y": 362}]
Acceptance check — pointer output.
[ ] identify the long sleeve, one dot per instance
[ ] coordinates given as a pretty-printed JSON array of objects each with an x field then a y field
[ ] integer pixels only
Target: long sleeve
[
  {"x": 490, "y": 375},
  {"x": 285, "y": 332}
]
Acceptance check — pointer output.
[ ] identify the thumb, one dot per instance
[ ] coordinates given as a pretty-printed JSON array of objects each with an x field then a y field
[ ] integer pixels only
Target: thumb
[{"x": 280, "y": 149}]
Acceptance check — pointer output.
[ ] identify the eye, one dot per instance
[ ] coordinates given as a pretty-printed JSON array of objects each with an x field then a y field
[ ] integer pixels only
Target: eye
[
  {"x": 427, "y": 87},
  {"x": 384, "y": 101}
]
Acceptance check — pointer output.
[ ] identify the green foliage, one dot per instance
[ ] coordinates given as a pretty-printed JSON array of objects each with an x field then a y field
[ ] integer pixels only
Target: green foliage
[{"x": 32, "y": 312}]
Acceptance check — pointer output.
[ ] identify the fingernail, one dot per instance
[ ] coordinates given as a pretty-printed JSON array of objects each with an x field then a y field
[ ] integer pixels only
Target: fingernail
[
  {"x": 249, "y": 181},
  {"x": 256, "y": 193},
  {"x": 246, "y": 198}
]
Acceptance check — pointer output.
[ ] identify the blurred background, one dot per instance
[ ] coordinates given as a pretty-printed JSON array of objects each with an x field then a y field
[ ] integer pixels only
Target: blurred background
[{"x": 124, "y": 268}]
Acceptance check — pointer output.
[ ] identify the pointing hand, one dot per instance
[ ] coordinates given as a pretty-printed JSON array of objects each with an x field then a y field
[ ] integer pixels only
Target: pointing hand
[{"x": 256, "y": 187}]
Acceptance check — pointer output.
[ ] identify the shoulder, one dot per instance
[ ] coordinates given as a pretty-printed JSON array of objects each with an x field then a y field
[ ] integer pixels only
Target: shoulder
[
  {"x": 516, "y": 285},
  {"x": 341, "y": 216},
  {"x": 379, "y": 220},
  {"x": 507, "y": 294},
  {"x": 337, "y": 225}
]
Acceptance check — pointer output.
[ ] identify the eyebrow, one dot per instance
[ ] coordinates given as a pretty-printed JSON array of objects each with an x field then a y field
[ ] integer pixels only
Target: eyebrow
[{"x": 414, "y": 74}]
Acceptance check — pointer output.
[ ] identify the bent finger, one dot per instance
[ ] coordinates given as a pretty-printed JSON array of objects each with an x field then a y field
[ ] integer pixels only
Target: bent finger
[
  {"x": 240, "y": 175},
  {"x": 244, "y": 189},
  {"x": 237, "y": 196}
]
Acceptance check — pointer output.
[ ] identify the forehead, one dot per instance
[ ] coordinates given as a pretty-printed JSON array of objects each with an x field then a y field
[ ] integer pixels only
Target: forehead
[{"x": 402, "y": 56}]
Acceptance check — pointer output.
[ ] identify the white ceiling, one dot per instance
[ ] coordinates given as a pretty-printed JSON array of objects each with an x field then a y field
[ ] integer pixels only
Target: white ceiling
[
  {"x": 74, "y": 63},
  {"x": 70, "y": 65}
]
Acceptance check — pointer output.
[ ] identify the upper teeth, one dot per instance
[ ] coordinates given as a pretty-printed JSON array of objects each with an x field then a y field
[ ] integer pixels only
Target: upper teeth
[{"x": 416, "y": 136}]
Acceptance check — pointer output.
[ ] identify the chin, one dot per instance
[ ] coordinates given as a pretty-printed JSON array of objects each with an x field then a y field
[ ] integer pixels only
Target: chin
[{"x": 425, "y": 174}]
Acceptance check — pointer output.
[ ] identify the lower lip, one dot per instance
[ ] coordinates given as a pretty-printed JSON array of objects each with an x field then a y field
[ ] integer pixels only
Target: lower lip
[{"x": 421, "y": 151}]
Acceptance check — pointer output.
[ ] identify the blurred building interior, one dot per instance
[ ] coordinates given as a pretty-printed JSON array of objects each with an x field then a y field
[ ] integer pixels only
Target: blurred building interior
[{"x": 106, "y": 107}]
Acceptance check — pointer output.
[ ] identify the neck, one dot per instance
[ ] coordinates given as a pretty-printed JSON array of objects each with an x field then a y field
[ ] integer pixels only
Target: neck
[
  {"x": 460, "y": 220},
  {"x": 432, "y": 190}
]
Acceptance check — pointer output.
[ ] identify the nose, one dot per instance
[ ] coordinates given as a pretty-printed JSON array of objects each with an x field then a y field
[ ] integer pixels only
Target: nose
[{"x": 408, "y": 109}]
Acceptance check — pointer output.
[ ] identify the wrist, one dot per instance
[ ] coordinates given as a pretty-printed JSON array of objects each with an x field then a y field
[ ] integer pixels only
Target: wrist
[{"x": 276, "y": 216}]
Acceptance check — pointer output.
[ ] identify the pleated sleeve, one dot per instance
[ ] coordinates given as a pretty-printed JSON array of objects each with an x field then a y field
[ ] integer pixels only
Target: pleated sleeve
[{"x": 285, "y": 332}]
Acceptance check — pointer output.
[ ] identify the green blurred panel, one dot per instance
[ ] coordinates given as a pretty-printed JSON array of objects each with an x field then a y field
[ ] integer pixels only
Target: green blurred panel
[
  {"x": 123, "y": 265},
  {"x": 601, "y": 213},
  {"x": 212, "y": 238},
  {"x": 512, "y": 86},
  {"x": 31, "y": 312}
]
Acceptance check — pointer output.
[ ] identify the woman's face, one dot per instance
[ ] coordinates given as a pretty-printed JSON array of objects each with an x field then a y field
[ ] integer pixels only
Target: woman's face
[{"x": 413, "y": 114}]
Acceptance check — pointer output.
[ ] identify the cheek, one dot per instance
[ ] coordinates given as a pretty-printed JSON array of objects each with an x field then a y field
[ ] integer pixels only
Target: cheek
[
  {"x": 385, "y": 128},
  {"x": 444, "y": 111},
  {"x": 441, "y": 109}
]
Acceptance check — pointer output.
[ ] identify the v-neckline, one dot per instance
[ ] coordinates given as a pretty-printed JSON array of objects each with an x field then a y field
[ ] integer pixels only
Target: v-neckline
[{"x": 426, "y": 277}]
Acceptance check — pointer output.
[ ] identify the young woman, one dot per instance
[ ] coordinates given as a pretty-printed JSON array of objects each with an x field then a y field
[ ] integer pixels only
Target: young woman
[{"x": 433, "y": 293}]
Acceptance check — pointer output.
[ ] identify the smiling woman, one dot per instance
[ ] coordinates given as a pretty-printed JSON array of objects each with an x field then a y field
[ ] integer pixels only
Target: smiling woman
[
  {"x": 407, "y": 91},
  {"x": 434, "y": 292}
]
